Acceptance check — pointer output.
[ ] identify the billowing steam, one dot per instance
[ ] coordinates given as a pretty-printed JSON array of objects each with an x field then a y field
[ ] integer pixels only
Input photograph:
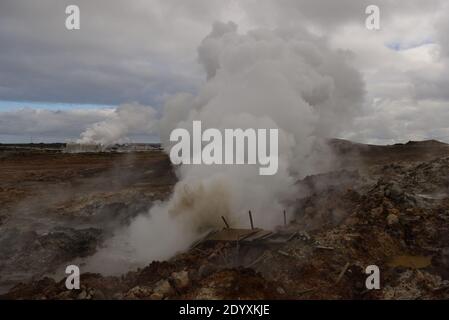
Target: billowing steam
[
  {"x": 284, "y": 79},
  {"x": 127, "y": 119}
]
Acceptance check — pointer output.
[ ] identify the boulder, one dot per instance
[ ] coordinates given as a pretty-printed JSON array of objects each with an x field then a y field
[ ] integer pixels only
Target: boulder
[
  {"x": 181, "y": 279},
  {"x": 163, "y": 287}
]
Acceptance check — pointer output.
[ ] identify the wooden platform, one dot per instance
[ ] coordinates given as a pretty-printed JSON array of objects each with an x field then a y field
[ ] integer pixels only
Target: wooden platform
[{"x": 247, "y": 236}]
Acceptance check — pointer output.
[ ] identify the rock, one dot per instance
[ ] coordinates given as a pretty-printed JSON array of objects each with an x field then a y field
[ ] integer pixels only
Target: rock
[
  {"x": 156, "y": 296},
  {"x": 98, "y": 295},
  {"x": 392, "y": 219},
  {"x": 139, "y": 292},
  {"x": 413, "y": 284},
  {"x": 90, "y": 293},
  {"x": 394, "y": 211},
  {"x": 376, "y": 211},
  {"x": 207, "y": 293},
  {"x": 64, "y": 295},
  {"x": 205, "y": 270},
  {"x": 118, "y": 296},
  {"x": 280, "y": 290},
  {"x": 181, "y": 279},
  {"x": 82, "y": 295},
  {"x": 163, "y": 287},
  {"x": 394, "y": 192},
  {"x": 386, "y": 203}
]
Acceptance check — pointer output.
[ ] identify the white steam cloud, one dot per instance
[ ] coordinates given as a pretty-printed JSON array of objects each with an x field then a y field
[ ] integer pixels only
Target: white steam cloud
[
  {"x": 283, "y": 79},
  {"x": 127, "y": 119}
]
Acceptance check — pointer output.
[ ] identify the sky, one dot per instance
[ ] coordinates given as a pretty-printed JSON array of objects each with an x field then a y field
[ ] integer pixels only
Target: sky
[{"x": 56, "y": 83}]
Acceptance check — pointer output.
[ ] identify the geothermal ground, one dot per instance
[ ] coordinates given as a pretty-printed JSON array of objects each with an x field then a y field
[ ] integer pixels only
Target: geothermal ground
[
  {"x": 387, "y": 206},
  {"x": 57, "y": 206}
]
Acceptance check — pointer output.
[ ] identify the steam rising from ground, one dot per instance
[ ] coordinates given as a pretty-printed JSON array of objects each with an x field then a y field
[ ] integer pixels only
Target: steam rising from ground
[
  {"x": 284, "y": 79},
  {"x": 127, "y": 119}
]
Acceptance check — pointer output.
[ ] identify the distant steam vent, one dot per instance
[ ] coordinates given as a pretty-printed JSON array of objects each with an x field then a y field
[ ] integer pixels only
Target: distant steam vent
[{"x": 73, "y": 147}]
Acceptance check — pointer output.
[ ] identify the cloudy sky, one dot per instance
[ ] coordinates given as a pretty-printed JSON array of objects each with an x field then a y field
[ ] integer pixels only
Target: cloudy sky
[{"x": 55, "y": 83}]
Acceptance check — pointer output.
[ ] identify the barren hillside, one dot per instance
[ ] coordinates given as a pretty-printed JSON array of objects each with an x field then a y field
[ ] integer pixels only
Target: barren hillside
[{"x": 383, "y": 205}]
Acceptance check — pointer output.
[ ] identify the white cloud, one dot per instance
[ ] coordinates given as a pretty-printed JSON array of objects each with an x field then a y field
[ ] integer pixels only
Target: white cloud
[
  {"x": 48, "y": 125},
  {"x": 393, "y": 121}
]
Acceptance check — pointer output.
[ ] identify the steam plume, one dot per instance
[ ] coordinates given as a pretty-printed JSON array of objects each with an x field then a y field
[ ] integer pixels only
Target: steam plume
[
  {"x": 284, "y": 79},
  {"x": 127, "y": 119}
]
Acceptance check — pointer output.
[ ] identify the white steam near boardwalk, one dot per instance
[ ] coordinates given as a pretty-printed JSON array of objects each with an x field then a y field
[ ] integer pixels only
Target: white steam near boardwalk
[{"x": 283, "y": 79}]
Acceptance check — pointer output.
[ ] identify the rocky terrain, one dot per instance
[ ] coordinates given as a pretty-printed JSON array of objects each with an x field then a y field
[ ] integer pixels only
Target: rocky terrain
[{"x": 383, "y": 205}]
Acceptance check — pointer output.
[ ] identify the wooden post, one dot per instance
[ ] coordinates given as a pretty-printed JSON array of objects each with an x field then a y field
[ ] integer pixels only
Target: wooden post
[
  {"x": 251, "y": 220},
  {"x": 285, "y": 218},
  {"x": 225, "y": 222}
]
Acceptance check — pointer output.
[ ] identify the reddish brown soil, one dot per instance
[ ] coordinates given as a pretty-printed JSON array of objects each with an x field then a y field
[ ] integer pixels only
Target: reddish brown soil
[{"x": 383, "y": 204}]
